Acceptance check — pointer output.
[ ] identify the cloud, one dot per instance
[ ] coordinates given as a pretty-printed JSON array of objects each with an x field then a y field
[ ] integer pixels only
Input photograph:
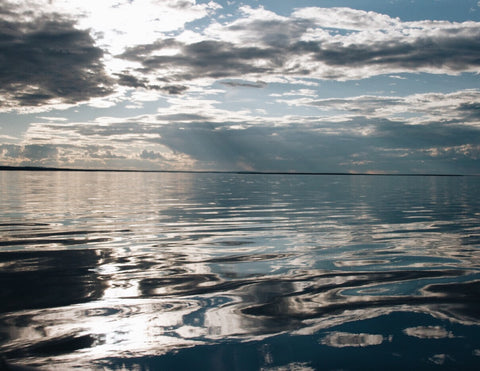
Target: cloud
[
  {"x": 418, "y": 133},
  {"x": 129, "y": 80},
  {"x": 261, "y": 45},
  {"x": 174, "y": 89},
  {"x": 11, "y": 151},
  {"x": 64, "y": 55},
  {"x": 58, "y": 154},
  {"x": 49, "y": 60},
  {"x": 205, "y": 59},
  {"x": 46, "y": 60},
  {"x": 455, "y": 108},
  {"x": 118, "y": 24},
  {"x": 317, "y": 145},
  {"x": 324, "y": 145},
  {"x": 126, "y": 79},
  {"x": 35, "y": 154},
  {"x": 102, "y": 152},
  {"x": 39, "y": 151},
  {"x": 346, "y": 18},
  {"x": 447, "y": 50},
  {"x": 150, "y": 155},
  {"x": 241, "y": 84}
]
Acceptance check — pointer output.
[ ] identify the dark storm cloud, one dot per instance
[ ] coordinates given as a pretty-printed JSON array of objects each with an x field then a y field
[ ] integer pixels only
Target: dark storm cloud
[{"x": 48, "y": 59}]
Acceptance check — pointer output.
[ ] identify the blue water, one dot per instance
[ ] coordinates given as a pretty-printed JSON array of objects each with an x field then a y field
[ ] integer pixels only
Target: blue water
[{"x": 239, "y": 272}]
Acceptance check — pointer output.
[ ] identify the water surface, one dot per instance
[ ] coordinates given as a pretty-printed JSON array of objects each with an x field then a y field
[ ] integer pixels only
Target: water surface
[{"x": 230, "y": 271}]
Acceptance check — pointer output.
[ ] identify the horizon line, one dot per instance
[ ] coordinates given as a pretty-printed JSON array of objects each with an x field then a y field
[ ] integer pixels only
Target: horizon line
[{"x": 244, "y": 172}]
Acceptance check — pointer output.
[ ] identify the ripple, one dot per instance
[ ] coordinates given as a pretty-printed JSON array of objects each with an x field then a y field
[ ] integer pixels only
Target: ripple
[
  {"x": 249, "y": 258},
  {"x": 144, "y": 267},
  {"x": 54, "y": 347},
  {"x": 63, "y": 241}
]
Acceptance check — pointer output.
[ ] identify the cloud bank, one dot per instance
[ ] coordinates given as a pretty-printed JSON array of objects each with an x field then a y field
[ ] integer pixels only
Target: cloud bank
[
  {"x": 331, "y": 43},
  {"x": 364, "y": 134}
]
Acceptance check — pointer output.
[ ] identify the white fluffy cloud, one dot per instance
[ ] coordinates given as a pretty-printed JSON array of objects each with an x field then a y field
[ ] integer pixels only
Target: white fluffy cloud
[{"x": 346, "y": 18}]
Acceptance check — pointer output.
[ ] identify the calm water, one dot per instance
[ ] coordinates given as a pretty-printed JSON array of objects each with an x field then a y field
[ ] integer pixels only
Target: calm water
[{"x": 239, "y": 272}]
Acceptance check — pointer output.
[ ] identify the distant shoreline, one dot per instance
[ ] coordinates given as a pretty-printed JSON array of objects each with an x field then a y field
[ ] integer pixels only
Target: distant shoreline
[{"x": 40, "y": 168}]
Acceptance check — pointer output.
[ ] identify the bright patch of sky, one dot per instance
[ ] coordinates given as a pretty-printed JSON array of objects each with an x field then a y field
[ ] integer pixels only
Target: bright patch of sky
[{"x": 316, "y": 86}]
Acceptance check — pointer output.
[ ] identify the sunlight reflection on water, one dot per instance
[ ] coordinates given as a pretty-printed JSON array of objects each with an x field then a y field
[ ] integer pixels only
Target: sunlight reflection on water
[{"x": 100, "y": 270}]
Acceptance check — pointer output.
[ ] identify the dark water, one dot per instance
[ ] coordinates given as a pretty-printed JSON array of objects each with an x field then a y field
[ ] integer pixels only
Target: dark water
[{"x": 239, "y": 272}]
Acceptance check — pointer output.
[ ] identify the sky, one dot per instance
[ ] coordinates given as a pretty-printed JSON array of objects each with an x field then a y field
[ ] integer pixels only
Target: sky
[{"x": 360, "y": 86}]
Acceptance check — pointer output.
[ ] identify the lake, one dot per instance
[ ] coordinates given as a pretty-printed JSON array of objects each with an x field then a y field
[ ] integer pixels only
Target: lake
[{"x": 178, "y": 271}]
